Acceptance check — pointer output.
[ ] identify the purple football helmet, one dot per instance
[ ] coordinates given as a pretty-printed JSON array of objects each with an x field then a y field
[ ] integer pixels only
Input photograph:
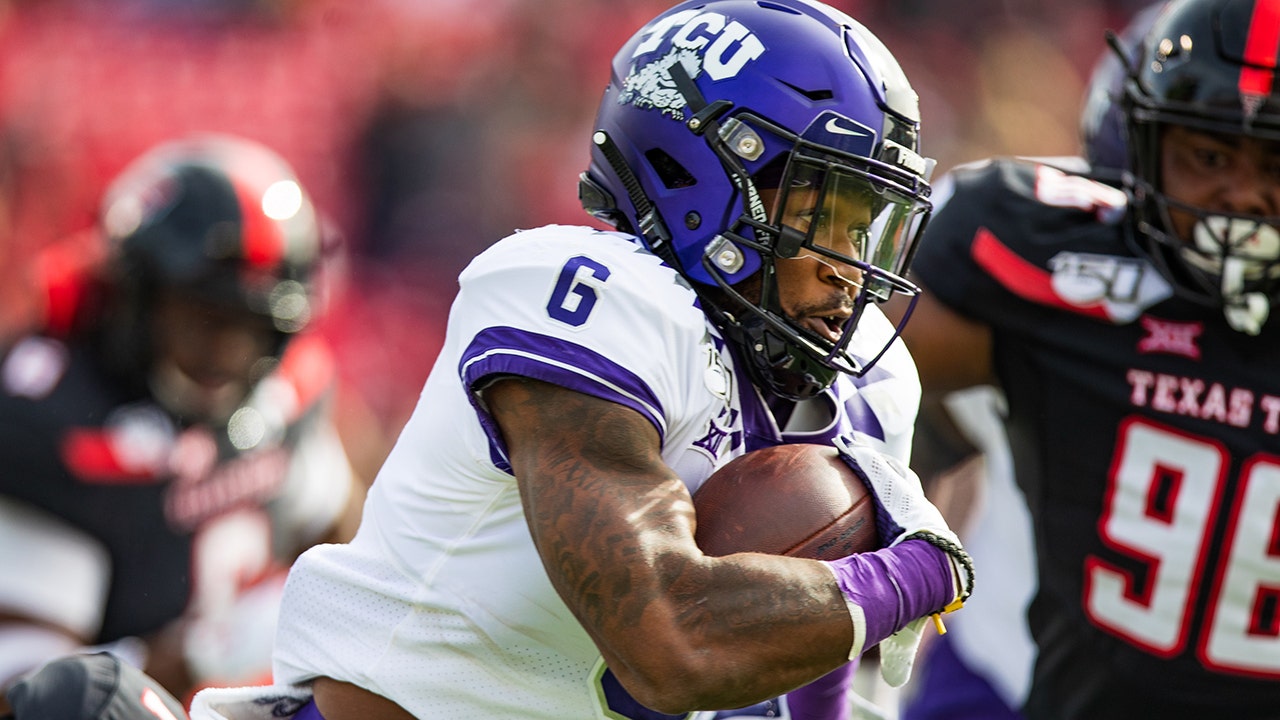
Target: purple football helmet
[{"x": 713, "y": 101}]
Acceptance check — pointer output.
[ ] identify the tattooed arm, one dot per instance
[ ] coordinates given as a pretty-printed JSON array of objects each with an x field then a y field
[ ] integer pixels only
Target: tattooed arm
[{"x": 614, "y": 526}]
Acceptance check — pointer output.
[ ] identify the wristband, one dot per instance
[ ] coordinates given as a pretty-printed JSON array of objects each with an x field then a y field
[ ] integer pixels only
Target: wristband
[{"x": 886, "y": 589}]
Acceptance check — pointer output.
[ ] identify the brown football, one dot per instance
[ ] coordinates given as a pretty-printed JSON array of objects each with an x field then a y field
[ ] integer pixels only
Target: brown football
[{"x": 800, "y": 500}]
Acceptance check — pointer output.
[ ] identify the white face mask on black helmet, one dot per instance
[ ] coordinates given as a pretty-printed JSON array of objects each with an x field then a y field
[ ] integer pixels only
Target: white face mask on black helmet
[{"x": 1244, "y": 253}]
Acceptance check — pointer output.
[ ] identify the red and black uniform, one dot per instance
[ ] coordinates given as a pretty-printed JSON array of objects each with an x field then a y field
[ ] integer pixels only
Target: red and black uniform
[
  {"x": 1146, "y": 438},
  {"x": 188, "y": 519}
]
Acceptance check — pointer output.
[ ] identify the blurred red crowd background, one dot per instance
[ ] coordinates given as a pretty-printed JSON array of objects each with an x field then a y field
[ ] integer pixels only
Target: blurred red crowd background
[{"x": 427, "y": 129}]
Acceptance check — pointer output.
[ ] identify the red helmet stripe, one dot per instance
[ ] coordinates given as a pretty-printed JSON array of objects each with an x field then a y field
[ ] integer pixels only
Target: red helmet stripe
[
  {"x": 1260, "y": 49},
  {"x": 262, "y": 237}
]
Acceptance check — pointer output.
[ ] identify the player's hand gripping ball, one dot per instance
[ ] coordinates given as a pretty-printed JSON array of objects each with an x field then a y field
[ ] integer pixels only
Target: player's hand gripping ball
[{"x": 799, "y": 500}]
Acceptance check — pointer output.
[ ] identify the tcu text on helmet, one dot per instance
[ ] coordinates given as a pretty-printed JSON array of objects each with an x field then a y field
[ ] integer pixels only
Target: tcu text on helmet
[{"x": 732, "y": 45}]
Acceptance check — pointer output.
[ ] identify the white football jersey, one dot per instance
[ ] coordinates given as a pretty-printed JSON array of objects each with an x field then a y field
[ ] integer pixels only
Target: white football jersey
[{"x": 441, "y": 602}]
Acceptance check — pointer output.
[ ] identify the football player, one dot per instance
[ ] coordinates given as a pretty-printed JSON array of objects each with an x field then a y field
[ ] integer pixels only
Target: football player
[
  {"x": 165, "y": 437},
  {"x": 527, "y": 550},
  {"x": 967, "y": 674},
  {"x": 1124, "y": 317}
]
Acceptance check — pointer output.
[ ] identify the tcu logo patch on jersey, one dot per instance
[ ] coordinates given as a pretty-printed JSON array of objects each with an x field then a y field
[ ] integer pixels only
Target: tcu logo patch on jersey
[{"x": 702, "y": 42}]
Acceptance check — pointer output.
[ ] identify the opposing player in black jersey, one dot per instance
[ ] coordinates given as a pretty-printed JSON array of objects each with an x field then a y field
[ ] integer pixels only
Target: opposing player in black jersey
[
  {"x": 1127, "y": 325},
  {"x": 164, "y": 439},
  {"x": 981, "y": 669}
]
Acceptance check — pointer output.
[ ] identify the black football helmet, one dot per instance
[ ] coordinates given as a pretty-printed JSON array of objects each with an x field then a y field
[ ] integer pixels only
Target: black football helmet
[
  {"x": 714, "y": 100},
  {"x": 214, "y": 217},
  {"x": 1207, "y": 65},
  {"x": 1102, "y": 131}
]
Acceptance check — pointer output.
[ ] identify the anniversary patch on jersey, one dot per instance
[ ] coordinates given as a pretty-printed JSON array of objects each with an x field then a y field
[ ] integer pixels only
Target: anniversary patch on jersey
[
  {"x": 716, "y": 376},
  {"x": 132, "y": 446},
  {"x": 1112, "y": 288},
  {"x": 1123, "y": 286}
]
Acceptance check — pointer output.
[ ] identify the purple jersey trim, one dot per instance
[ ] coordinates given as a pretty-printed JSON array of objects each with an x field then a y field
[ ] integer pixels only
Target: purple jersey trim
[
  {"x": 761, "y": 431},
  {"x": 859, "y": 412},
  {"x": 510, "y": 351},
  {"x": 758, "y": 426},
  {"x": 862, "y": 417}
]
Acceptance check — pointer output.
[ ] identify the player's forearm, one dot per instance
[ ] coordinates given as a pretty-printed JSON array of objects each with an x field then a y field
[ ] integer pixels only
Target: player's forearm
[
  {"x": 683, "y": 629},
  {"x": 680, "y": 629},
  {"x": 714, "y": 633},
  {"x": 748, "y": 627},
  {"x": 614, "y": 528}
]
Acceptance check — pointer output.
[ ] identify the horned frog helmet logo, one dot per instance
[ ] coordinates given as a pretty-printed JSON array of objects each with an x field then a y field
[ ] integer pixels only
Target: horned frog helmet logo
[{"x": 701, "y": 42}]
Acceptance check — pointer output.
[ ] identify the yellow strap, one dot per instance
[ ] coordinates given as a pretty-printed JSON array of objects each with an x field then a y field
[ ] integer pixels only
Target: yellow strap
[
  {"x": 937, "y": 623},
  {"x": 950, "y": 608}
]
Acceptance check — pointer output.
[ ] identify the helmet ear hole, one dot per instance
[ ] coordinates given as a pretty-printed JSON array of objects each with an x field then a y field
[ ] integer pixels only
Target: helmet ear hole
[
  {"x": 600, "y": 203},
  {"x": 672, "y": 174}
]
